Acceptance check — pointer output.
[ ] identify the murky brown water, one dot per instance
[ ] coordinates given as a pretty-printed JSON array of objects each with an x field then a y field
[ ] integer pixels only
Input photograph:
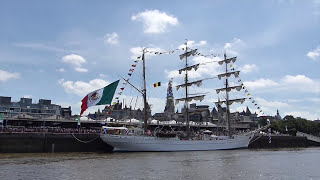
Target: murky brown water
[{"x": 232, "y": 164}]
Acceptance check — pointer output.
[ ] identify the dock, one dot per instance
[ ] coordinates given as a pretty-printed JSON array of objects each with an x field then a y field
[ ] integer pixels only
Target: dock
[
  {"x": 48, "y": 142},
  {"x": 80, "y": 142}
]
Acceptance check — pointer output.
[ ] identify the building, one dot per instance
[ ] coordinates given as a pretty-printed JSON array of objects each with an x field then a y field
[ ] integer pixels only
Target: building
[
  {"x": 44, "y": 108},
  {"x": 236, "y": 118},
  {"x": 200, "y": 113},
  {"x": 169, "y": 108},
  {"x": 168, "y": 113},
  {"x": 277, "y": 116},
  {"x": 66, "y": 112},
  {"x": 118, "y": 111}
]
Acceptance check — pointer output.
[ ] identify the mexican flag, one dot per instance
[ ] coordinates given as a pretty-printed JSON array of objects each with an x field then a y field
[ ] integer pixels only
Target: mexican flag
[{"x": 99, "y": 97}]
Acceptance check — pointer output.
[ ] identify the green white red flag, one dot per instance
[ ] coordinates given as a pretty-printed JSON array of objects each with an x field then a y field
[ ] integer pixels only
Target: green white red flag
[{"x": 99, "y": 97}]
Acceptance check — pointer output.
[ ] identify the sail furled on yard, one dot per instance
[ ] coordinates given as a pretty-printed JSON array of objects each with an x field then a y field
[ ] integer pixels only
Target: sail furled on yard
[
  {"x": 187, "y": 54},
  {"x": 198, "y": 83},
  {"x": 196, "y": 98},
  {"x": 238, "y": 88},
  {"x": 195, "y": 67},
  {"x": 240, "y": 100},
  {"x": 227, "y": 60},
  {"x": 235, "y": 73}
]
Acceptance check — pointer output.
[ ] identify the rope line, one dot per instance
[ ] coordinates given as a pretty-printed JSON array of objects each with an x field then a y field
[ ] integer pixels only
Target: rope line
[{"x": 85, "y": 141}]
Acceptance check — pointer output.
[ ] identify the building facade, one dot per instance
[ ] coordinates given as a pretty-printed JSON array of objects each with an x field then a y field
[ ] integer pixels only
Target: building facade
[
  {"x": 44, "y": 108},
  {"x": 119, "y": 111}
]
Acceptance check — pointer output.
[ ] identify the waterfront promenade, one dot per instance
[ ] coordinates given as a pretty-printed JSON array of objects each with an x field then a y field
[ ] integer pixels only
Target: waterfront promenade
[{"x": 56, "y": 130}]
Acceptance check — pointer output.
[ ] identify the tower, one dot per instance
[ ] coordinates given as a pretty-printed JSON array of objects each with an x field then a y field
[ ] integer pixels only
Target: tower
[
  {"x": 248, "y": 112},
  {"x": 278, "y": 117},
  {"x": 169, "y": 102}
]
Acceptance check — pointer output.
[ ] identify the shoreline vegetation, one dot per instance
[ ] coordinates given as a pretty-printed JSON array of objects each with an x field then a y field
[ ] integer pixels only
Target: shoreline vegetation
[{"x": 290, "y": 125}]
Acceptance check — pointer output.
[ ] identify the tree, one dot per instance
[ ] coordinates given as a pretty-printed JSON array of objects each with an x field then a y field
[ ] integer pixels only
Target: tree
[
  {"x": 295, "y": 125},
  {"x": 263, "y": 121}
]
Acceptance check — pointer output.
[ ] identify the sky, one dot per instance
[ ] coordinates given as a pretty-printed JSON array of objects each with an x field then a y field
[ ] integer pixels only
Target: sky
[{"x": 62, "y": 50}]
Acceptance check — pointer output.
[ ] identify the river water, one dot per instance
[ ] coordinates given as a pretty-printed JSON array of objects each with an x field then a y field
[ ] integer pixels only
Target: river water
[{"x": 230, "y": 164}]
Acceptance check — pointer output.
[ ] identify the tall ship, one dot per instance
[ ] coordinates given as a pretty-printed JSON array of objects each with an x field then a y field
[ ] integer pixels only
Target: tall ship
[{"x": 186, "y": 141}]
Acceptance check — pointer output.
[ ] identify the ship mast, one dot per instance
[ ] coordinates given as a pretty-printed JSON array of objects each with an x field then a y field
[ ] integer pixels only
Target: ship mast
[
  {"x": 188, "y": 98},
  {"x": 227, "y": 99},
  {"x": 228, "y": 88},
  {"x": 144, "y": 92},
  {"x": 186, "y": 101}
]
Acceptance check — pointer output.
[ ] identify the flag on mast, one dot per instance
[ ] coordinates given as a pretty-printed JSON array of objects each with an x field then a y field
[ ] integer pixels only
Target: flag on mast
[
  {"x": 157, "y": 84},
  {"x": 99, "y": 97}
]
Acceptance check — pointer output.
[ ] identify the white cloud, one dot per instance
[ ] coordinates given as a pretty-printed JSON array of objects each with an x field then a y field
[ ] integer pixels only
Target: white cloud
[
  {"x": 157, "y": 104},
  {"x": 111, "y": 38},
  {"x": 298, "y": 83},
  {"x": 5, "y": 76},
  {"x": 79, "y": 69},
  {"x": 234, "y": 47},
  {"x": 260, "y": 83},
  {"x": 303, "y": 114},
  {"x": 27, "y": 96},
  {"x": 39, "y": 46},
  {"x": 295, "y": 100},
  {"x": 102, "y": 75},
  {"x": 74, "y": 59},
  {"x": 316, "y": 4},
  {"x": 272, "y": 104},
  {"x": 298, "y": 79},
  {"x": 60, "y": 81},
  {"x": 192, "y": 44},
  {"x": 248, "y": 68},
  {"x": 137, "y": 51},
  {"x": 314, "y": 55},
  {"x": 155, "y": 21},
  {"x": 81, "y": 88},
  {"x": 268, "y": 107},
  {"x": 315, "y": 100},
  {"x": 301, "y": 83},
  {"x": 202, "y": 43},
  {"x": 173, "y": 74},
  {"x": 61, "y": 70}
]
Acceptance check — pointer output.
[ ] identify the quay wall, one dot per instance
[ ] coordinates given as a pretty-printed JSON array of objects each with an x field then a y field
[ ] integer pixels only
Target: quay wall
[
  {"x": 279, "y": 142},
  {"x": 43, "y": 142},
  {"x": 46, "y": 142}
]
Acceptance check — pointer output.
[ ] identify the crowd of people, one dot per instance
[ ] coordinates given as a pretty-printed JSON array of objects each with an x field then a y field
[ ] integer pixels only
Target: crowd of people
[{"x": 53, "y": 130}]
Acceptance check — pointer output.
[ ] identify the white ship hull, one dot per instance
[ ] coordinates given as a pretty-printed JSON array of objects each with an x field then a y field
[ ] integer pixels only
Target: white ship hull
[{"x": 149, "y": 143}]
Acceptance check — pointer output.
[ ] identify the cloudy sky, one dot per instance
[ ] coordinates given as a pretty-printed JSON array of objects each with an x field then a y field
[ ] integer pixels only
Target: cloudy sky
[{"x": 62, "y": 50}]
